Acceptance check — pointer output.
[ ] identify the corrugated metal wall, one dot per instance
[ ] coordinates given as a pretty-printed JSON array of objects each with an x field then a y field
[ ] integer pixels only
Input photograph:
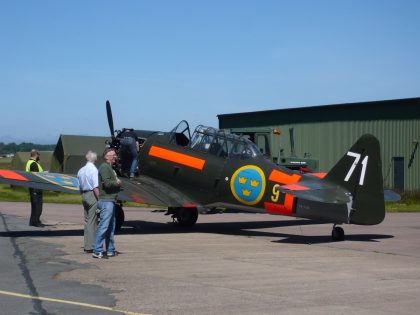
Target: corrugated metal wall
[{"x": 328, "y": 141}]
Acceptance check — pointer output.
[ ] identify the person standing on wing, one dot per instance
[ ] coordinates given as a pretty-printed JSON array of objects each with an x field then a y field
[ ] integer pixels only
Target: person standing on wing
[{"x": 129, "y": 152}]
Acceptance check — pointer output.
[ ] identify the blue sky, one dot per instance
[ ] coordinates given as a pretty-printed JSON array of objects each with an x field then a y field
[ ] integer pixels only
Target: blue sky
[{"x": 159, "y": 62}]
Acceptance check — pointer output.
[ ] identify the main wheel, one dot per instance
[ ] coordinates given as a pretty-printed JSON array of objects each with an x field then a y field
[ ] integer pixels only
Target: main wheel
[
  {"x": 337, "y": 233},
  {"x": 185, "y": 217},
  {"x": 119, "y": 216}
]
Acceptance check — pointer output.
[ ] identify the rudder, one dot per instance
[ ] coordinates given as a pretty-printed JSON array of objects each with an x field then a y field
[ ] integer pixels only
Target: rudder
[{"x": 360, "y": 172}]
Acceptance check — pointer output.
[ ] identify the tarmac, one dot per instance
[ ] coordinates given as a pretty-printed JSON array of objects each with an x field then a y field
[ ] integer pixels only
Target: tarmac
[{"x": 226, "y": 264}]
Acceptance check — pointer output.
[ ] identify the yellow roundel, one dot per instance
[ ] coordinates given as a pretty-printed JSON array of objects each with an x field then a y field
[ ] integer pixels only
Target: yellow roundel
[{"x": 248, "y": 184}]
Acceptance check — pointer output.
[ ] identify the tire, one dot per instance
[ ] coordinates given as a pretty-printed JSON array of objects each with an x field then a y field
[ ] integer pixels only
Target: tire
[
  {"x": 186, "y": 217},
  {"x": 337, "y": 234}
]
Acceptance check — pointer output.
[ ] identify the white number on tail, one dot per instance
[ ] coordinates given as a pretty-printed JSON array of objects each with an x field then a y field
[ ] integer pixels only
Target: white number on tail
[
  {"x": 353, "y": 166},
  {"x": 362, "y": 175}
]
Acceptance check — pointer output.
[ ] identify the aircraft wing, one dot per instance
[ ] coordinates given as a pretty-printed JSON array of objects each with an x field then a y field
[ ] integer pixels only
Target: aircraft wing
[
  {"x": 42, "y": 180},
  {"x": 144, "y": 189}
]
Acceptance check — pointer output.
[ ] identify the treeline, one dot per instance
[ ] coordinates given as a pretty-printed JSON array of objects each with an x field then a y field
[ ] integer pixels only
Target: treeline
[{"x": 24, "y": 147}]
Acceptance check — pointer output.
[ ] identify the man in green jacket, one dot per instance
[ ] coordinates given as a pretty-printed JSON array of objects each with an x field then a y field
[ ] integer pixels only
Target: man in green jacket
[{"x": 109, "y": 186}]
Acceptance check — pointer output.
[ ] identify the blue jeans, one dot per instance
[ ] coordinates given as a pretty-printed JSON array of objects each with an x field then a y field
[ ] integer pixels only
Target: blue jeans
[
  {"x": 130, "y": 155},
  {"x": 106, "y": 226}
]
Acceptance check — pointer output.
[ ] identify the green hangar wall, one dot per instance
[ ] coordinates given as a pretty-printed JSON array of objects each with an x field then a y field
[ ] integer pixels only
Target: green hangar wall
[{"x": 327, "y": 132}]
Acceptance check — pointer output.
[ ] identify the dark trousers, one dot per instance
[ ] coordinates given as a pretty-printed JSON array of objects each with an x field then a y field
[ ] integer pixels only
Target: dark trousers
[{"x": 36, "y": 206}]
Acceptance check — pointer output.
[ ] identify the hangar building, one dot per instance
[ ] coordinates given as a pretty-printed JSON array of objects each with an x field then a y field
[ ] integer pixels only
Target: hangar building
[
  {"x": 69, "y": 154},
  {"x": 326, "y": 132}
]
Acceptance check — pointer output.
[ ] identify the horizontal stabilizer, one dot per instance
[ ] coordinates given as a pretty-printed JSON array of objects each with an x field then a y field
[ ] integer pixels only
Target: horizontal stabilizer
[{"x": 391, "y": 196}]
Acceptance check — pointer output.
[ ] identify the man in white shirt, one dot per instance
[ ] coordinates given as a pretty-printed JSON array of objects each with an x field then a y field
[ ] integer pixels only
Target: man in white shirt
[{"x": 89, "y": 189}]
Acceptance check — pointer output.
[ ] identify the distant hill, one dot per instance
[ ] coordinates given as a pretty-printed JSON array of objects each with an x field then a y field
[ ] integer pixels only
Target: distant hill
[{"x": 8, "y": 148}]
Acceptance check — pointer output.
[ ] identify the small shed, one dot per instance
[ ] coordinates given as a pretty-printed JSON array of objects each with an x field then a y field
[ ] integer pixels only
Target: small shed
[
  {"x": 20, "y": 158},
  {"x": 69, "y": 154}
]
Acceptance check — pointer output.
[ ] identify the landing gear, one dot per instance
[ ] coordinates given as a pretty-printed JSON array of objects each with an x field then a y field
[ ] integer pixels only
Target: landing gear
[
  {"x": 119, "y": 216},
  {"x": 337, "y": 233},
  {"x": 184, "y": 217}
]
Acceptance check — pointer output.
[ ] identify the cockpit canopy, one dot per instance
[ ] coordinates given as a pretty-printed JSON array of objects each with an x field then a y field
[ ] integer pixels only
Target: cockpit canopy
[{"x": 214, "y": 141}]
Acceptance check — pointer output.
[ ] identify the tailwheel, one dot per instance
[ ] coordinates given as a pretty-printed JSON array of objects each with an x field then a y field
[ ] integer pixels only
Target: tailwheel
[
  {"x": 119, "y": 216},
  {"x": 337, "y": 233},
  {"x": 185, "y": 217}
]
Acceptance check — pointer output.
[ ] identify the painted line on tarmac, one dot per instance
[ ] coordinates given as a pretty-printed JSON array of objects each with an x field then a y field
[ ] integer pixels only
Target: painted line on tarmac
[{"x": 99, "y": 307}]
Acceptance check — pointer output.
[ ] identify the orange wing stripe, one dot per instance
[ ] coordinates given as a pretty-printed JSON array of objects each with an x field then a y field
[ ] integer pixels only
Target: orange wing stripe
[
  {"x": 283, "y": 178},
  {"x": 12, "y": 175},
  {"x": 177, "y": 157},
  {"x": 136, "y": 198}
]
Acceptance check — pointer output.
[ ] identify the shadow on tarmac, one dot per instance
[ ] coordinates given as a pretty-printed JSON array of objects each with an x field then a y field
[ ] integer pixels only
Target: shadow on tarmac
[
  {"x": 227, "y": 228},
  {"x": 248, "y": 229}
]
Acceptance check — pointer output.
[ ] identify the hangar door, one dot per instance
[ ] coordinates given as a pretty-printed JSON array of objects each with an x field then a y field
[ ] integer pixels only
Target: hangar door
[{"x": 399, "y": 173}]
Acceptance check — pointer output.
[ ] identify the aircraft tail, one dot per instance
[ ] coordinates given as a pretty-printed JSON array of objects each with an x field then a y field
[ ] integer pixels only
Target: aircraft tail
[{"x": 360, "y": 172}]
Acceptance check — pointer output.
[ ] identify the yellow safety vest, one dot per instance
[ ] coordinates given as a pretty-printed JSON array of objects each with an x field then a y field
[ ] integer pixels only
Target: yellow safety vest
[{"x": 28, "y": 165}]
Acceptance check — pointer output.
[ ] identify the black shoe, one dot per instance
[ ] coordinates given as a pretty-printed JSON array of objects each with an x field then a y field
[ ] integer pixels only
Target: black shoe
[
  {"x": 38, "y": 225},
  {"x": 88, "y": 251}
]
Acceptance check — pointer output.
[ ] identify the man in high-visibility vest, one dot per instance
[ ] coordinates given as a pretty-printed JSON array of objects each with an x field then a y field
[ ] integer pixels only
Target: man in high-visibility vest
[{"x": 33, "y": 165}]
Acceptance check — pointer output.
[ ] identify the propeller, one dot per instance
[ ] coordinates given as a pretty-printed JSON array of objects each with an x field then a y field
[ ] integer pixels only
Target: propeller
[{"x": 110, "y": 120}]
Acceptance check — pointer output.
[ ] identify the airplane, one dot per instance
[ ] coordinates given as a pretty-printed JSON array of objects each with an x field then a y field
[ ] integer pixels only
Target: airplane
[{"x": 209, "y": 169}]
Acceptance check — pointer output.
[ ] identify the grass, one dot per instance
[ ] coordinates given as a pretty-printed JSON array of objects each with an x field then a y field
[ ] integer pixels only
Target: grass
[
  {"x": 20, "y": 194},
  {"x": 5, "y": 163},
  {"x": 410, "y": 201}
]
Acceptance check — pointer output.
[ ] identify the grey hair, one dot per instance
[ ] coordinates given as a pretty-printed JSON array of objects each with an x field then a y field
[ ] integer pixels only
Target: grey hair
[{"x": 91, "y": 156}]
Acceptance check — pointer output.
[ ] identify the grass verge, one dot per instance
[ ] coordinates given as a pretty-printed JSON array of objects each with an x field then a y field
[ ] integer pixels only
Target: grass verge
[
  {"x": 20, "y": 194},
  {"x": 410, "y": 202}
]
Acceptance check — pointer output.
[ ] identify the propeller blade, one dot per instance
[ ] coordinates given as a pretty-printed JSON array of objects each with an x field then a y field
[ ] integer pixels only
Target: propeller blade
[{"x": 110, "y": 120}]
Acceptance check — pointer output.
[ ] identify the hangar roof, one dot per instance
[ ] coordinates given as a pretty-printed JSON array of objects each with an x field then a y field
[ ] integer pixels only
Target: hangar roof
[{"x": 408, "y": 108}]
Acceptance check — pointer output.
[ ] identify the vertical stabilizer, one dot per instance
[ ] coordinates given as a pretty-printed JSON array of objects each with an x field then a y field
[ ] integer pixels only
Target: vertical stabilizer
[{"x": 360, "y": 172}]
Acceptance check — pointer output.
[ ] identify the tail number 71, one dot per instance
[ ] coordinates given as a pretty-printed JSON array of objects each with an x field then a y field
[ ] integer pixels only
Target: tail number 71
[{"x": 353, "y": 166}]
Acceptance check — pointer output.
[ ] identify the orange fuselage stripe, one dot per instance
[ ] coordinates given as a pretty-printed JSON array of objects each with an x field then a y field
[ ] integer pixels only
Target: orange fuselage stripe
[
  {"x": 282, "y": 209},
  {"x": 177, "y": 157},
  {"x": 283, "y": 178},
  {"x": 12, "y": 175}
]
